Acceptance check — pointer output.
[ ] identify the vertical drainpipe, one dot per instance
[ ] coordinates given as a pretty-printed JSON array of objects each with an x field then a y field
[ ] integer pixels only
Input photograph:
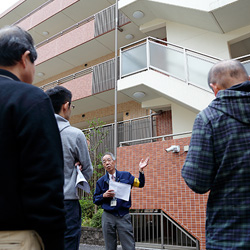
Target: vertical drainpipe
[{"x": 116, "y": 73}]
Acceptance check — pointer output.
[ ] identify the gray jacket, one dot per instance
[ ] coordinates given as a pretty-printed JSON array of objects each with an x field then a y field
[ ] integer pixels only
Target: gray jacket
[{"x": 74, "y": 149}]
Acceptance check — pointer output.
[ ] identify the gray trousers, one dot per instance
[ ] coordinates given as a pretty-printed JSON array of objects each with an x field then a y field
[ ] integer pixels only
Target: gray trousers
[{"x": 112, "y": 224}]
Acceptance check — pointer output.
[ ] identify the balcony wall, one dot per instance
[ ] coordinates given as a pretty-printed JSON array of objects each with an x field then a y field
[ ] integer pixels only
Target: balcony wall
[
  {"x": 87, "y": 82},
  {"x": 80, "y": 87},
  {"x": 165, "y": 189},
  {"x": 66, "y": 42},
  {"x": 46, "y": 12}
]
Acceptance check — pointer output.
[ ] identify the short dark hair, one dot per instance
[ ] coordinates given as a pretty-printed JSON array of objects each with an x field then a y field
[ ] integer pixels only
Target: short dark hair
[
  {"x": 14, "y": 42},
  {"x": 59, "y": 95}
]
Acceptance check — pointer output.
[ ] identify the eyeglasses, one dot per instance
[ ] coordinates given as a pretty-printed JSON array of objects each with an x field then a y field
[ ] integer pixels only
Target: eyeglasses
[{"x": 72, "y": 106}]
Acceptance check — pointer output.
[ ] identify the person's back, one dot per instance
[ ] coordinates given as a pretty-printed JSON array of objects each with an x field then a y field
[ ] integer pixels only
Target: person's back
[
  {"x": 75, "y": 152},
  {"x": 31, "y": 180},
  {"x": 75, "y": 149},
  {"x": 218, "y": 160}
]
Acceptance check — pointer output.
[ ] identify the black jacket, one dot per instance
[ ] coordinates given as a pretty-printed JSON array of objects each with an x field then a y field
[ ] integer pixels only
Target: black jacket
[{"x": 31, "y": 162}]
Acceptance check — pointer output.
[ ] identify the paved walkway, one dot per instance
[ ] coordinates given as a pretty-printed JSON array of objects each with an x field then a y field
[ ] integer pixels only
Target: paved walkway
[{"x": 91, "y": 247}]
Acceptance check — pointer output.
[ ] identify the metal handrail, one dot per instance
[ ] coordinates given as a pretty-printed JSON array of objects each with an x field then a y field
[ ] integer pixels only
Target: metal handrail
[
  {"x": 130, "y": 46},
  {"x": 186, "y": 53},
  {"x": 155, "y": 137},
  {"x": 74, "y": 75},
  {"x": 120, "y": 122},
  {"x": 242, "y": 57},
  {"x": 142, "y": 237},
  {"x": 63, "y": 32},
  {"x": 69, "y": 77}
]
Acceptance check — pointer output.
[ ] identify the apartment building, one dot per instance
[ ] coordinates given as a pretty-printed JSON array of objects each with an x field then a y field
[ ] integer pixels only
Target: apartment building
[{"x": 165, "y": 50}]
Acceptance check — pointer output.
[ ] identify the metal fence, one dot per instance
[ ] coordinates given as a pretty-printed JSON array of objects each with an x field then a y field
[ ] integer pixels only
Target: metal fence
[
  {"x": 133, "y": 129},
  {"x": 105, "y": 20},
  {"x": 158, "y": 230}
]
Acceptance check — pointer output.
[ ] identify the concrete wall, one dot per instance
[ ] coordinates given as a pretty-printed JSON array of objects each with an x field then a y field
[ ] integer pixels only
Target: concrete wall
[{"x": 210, "y": 43}]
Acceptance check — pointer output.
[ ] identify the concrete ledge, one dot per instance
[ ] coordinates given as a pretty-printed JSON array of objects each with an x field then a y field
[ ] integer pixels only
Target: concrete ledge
[{"x": 92, "y": 236}]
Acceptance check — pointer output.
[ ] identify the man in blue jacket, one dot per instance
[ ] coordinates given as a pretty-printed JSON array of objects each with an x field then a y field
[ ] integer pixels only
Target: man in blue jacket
[
  {"x": 219, "y": 158},
  {"x": 116, "y": 215}
]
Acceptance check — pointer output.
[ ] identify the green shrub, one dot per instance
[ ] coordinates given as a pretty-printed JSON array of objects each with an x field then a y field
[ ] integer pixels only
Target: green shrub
[
  {"x": 86, "y": 222},
  {"x": 97, "y": 219},
  {"x": 88, "y": 208}
]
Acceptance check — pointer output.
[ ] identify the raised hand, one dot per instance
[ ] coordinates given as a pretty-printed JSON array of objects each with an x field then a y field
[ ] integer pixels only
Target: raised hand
[{"x": 143, "y": 163}]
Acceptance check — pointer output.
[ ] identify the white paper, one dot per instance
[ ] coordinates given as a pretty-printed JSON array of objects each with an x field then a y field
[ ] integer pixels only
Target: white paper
[
  {"x": 122, "y": 190},
  {"x": 81, "y": 182}
]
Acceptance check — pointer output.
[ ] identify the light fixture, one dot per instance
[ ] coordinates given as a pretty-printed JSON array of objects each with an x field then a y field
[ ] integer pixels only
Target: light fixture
[
  {"x": 139, "y": 94},
  {"x": 40, "y": 74},
  {"x": 138, "y": 14},
  {"x": 173, "y": 148},
  {"x": 129, "y": 36},
  {"x": 45, "y": 33}
]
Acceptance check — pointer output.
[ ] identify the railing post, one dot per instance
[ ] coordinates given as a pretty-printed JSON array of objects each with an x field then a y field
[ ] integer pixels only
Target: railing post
[
  {"x": 162, "y": 231},
  {"x": 148, "y": 54},
  {"x": 151, "y": 125},
  {"x": 115, "y": 97},
  {"x": 130, "y": 129},
  {"x": 197, "y": 245},
  {"x": 120, "y": 65},
  {"x": 186, "y": 65}
]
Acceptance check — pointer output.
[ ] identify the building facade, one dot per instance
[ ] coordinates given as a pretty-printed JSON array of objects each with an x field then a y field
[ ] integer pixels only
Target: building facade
[{"x": 165, "y": 50}]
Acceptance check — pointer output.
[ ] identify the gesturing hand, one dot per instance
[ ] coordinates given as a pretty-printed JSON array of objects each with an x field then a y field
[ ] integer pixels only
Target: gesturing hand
[{"x": 143, "y": 163}]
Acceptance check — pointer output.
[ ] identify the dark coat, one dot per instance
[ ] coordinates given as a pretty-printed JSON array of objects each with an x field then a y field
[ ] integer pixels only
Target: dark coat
[
  {"x": 31, "y": 179},
  {"x": 219, "y": 160}
]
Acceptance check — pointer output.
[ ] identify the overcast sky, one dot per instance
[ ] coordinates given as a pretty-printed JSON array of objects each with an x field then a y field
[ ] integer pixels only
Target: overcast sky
[{"x": 5, "y": 4}]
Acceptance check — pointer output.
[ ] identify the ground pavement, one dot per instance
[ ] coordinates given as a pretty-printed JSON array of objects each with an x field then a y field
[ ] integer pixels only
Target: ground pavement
[{"x": 91, "y": 247}]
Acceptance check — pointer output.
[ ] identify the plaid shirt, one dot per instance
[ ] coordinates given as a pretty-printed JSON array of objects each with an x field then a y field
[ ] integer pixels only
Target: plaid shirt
[{"x": 219, "y": 160}]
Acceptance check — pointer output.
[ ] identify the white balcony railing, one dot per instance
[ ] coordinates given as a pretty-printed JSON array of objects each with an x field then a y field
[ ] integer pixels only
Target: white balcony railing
[{"x": 184, "y": 64}]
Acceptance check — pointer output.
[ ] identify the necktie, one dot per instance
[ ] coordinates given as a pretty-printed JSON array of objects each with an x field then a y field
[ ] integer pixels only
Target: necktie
[{"x": 113, "y": 177}]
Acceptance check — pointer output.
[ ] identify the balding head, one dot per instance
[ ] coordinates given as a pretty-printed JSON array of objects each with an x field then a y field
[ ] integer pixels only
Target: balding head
[{"x": 225, "y": 74}]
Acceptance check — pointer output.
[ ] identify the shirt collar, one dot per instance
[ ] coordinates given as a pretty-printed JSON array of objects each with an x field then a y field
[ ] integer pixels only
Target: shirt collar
[{"x": 111, "y": 175}]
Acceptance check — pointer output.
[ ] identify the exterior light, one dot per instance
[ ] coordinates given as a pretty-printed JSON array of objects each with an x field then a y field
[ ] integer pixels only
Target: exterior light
[
  {"x": 129, "y": 36},
  {"x": 138, "y": 14},
  {"x": 139, "y": 95},
  {"x": 40, "y": 74},
  {"x": 45, "y": 33}
]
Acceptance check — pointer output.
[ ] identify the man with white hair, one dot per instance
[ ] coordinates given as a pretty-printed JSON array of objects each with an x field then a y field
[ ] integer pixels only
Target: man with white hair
[{"x": 116, "y": 217}]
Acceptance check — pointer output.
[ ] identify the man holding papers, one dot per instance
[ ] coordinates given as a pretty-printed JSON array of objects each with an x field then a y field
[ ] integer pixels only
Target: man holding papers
[{"x": 113, "y": 194}]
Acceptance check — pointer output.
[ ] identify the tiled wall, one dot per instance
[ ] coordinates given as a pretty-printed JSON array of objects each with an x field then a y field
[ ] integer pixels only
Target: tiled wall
[
  {"x": 165, "y": 188},
  {"x": 164, "y": 123},
  {"x": 66, "y": 42},
  {"x": 133, "y": 108},
  {"x": 80, "y": 87}
]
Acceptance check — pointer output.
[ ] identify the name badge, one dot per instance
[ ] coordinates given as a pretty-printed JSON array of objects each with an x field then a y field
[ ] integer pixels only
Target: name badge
[{"x": 113, "y": 203}]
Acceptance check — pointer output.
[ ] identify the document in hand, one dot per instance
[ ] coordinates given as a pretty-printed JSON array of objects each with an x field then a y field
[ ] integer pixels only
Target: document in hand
[
  {"x": 81, "y": 182},
  {"x": 122, "y": 190}
]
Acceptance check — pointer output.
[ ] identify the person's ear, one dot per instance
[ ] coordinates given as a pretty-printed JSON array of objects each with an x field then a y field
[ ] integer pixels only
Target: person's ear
[
  {"x": 24, "y": 58},
  {"x": 249, "y": 78},
  {"x": 65, "y": 106},
  {"x": 215, "y": 88}
]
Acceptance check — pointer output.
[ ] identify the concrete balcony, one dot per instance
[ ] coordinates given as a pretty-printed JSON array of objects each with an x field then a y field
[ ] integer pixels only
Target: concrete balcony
[{"x": 165, "y": 73}]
